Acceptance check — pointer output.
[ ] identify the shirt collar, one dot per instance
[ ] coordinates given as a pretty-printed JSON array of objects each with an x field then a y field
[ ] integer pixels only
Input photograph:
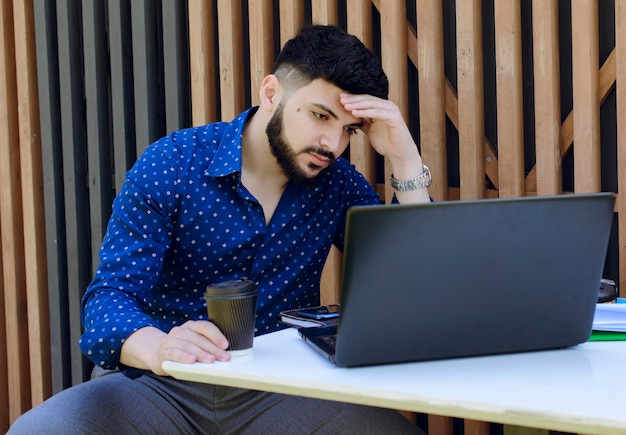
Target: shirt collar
[{"x": 227, "y": 159}]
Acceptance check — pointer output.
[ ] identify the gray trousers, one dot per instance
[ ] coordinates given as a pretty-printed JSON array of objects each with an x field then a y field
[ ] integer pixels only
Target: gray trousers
[{"x": 116, "y": 404}]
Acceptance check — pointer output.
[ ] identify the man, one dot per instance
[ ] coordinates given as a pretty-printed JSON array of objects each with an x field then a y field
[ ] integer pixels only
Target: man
[{"x": 262, "y": 197}]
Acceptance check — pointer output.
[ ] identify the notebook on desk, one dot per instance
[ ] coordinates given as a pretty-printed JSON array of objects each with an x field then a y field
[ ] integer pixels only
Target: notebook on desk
[{"x": 468, "y": 278}]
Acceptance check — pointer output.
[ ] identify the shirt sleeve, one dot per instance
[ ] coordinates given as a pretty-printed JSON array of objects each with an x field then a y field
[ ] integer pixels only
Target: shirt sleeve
[{"x": 131, "y": 257}]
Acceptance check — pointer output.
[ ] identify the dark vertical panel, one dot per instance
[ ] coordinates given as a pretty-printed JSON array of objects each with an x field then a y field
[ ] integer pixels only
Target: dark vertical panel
[
  {"x": 122, "y": 85},
  {"x": 147, "y": 72},
  {"x": 49, "y": 98},
  {"x": 74, "y": 168},
  {"x": 56, "y": 249},
  {"x": 176, "y": 65},
  {"x": 98, "y": 121},
  {"x": 609, "y": 133}
]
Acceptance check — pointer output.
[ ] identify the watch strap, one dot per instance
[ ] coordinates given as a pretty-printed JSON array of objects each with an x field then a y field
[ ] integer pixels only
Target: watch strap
[{"x": 419, "y": 182}]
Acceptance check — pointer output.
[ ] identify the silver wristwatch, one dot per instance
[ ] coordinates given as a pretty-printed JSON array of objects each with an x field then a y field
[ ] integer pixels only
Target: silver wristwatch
[{"x": 422, "y": 180}]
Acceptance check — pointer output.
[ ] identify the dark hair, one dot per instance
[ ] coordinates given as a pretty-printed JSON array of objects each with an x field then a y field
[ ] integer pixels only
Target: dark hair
[{"x": 331, "y": 54}]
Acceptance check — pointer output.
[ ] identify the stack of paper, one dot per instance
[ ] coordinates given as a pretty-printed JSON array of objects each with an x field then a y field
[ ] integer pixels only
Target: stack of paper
[{"x": 609, "y": 322}]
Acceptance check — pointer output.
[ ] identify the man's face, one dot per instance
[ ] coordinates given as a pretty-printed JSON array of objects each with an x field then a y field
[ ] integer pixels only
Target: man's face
[{"x": 309, "y": 130}]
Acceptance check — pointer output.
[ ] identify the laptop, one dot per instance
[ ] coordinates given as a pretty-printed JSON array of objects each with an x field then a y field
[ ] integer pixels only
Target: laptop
[{"x": 467, "y": 278}]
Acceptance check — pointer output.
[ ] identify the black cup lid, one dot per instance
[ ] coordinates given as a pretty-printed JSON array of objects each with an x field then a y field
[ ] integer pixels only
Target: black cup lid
[{"x": 231, "y": 288}]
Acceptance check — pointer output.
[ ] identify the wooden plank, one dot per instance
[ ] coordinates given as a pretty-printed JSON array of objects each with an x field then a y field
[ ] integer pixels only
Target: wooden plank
[
  {"x": 4, "y": 141},
  {"x": 432, "y": 101},
  {"x": 440, "y": 425},
  {"x": 230, "y": 59},
  {"x": 291, "y": 15},
  {"x": 261, "y": 45},
  {"x": 324, "y": 11},
  {"x": 585, "y": 82},
  {"x": 4, "y": 370},
  {"x": 474, "y": 427},
  {"x": 32, "y": 197},
  {"x": 394, "y": 62},
  {"x": 359, "y": 20},
  {"x": 13, "y": 269},
  {"x": 545, "y": 16},
  {"x": 201, "y": 62},
  {"x": 363, "y": 156},
  {"x": 175, "y": 65},
  {"x": 471, "y": 115},
  {"x": 620, "y": 78},
  {"x": 510, "y": 119},
  {"x": 122, "y": 99},
  {"x": 330, "y": 281}
]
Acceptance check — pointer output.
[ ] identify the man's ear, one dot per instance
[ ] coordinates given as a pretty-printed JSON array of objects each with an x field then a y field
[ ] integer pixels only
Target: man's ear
[{"x": 269, "y": 92}]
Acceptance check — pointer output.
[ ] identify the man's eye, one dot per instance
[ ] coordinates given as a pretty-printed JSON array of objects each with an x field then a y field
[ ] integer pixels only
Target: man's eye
[
  {"x": 351, "y": 130},
  {"x": 320, "y": 116}
]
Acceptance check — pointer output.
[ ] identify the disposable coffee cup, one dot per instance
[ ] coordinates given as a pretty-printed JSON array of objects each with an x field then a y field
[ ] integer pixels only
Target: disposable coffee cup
[{"x": 231, "y": 306}]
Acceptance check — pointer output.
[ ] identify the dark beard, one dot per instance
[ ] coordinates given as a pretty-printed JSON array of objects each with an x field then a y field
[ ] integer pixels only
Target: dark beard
[{"x": 285, "y": 156}]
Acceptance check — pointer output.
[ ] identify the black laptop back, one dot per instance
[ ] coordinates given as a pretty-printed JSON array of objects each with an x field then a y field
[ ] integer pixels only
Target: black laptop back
[{"x": 465, "y": 278}]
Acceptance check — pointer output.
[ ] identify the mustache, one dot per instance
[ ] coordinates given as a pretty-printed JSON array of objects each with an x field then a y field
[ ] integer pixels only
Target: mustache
[{"x": 322, "y": 152}]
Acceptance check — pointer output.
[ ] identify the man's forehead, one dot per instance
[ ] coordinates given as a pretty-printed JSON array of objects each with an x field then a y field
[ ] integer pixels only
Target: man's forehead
[{"x": 325, "y": 96}]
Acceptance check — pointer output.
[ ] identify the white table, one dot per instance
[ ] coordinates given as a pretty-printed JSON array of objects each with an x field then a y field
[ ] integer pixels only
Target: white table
[{"x": 580, "y": 389}]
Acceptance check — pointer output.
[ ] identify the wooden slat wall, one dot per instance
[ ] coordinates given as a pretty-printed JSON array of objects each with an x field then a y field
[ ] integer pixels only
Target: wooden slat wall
[
  {"x": 470, "y": 102},
  {"x": 16, "y": 380},
  {"x": 291, "y": 19},
  {"x": 230, "y": 44},
  {"x": 261, "y": 42},
  {"x": 25, "y": 361},
  {"x": 32, "y": 199},
  {"x": 107, "y": 78},
  {"x": 508, "y": 35},
  {"x": 586, "y": 99},
  {"x": 432, "y": 96},
  {"x": 547, "y": 96},
  {"x": 202, "y": 22}
]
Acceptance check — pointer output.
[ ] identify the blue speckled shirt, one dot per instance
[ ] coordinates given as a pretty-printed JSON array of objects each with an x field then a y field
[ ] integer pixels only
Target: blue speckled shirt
[{"x": 183, "y": 220}]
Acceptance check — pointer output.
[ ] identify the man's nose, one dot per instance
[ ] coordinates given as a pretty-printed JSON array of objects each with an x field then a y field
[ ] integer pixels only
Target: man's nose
[{"x": 334, "y": 141}]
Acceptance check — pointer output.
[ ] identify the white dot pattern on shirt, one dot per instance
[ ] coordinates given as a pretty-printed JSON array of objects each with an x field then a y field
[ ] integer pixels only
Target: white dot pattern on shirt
[{"x": 183, "y": 221}]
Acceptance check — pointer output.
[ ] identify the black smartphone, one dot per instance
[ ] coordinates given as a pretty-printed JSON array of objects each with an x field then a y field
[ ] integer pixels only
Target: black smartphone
[{"x": 320, "y": 313}]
